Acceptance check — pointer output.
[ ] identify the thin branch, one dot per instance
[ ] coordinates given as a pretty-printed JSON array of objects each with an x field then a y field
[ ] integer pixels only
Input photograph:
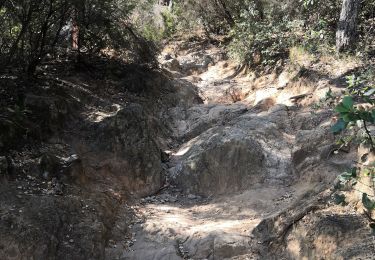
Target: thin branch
[{"x": 369, "y": 135}]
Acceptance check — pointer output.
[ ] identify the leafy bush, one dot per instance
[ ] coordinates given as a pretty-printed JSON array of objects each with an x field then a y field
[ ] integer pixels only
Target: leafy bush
[
  {"x": 152, "y": 32},
  {"x": 270, "y": 32},
  {"x": 170, "y": 24},
  {"x": 259, "y": 42},
  {"x": 29, "y": 30},
  {"x": 357, "y": 116},
  {"x": 355, "y": 119},
  {"x": 298, "y": 55},
  {"x": 216, "y": 17},
  {"x": 262, "y": 33},
  {"x": 156, "y": 22}
]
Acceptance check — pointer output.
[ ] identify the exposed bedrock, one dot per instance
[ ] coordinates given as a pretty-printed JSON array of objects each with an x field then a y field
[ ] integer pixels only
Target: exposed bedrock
[{"x": 242, "y": 153}]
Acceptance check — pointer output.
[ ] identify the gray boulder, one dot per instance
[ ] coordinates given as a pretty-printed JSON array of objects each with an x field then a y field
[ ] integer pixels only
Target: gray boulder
[
  {"x": 122, "y": 146},
  {"x": 230, "y": 158}
]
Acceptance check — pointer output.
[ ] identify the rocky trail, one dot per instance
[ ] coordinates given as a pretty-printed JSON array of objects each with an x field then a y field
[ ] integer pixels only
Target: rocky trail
[
  {"x": 253, "y": 161},
  {"x": 202, "y": 159}
]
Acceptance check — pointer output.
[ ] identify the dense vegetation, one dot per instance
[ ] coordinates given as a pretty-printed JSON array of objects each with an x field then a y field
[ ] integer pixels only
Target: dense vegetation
[
  {"x": 263, "y": 31},
  {"x": 260, "y": 32},
  {"x": 31, "y": 30}
]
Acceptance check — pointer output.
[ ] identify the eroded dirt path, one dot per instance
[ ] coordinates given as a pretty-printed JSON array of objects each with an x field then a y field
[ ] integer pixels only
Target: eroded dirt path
[
  {"x": 196, "y": 228},
  {"x": 214, "y": 216},
  {"x": 240, "y": 163}
]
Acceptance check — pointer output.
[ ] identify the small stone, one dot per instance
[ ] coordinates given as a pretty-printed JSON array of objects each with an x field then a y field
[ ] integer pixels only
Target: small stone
[{"x": 71, "y": 241}]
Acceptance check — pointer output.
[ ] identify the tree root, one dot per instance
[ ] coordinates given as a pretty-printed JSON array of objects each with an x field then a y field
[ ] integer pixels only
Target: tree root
[{"x": 271, "y": 232}]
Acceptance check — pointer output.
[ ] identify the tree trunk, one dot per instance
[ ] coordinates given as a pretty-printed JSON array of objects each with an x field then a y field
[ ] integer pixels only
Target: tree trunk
[
  {"x": 75, "y": 30},
  {"x": 346, "y": 33},
  {"x": 227, "y": 15}
]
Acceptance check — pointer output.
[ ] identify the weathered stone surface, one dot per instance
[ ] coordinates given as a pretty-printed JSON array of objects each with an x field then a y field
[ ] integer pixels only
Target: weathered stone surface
[
  {"x": 188, "y": 123},
  {"x": 332, "y": 236},
  {"x": 230, "y": 158},
  {"x": 124, "y": 146},
  {"x": 55, "y": 227}
]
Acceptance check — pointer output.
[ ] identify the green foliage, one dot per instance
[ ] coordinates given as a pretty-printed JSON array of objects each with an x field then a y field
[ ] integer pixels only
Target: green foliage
[
  {"x": 258, "y": 41},
  {"x": 151, "y": 32},
  {"x": 155, "y": 32},
  {"x": 29, "y": 30},
  {"x": 339, "y": 199},
  {"x": 169, "y": 24},
  {"x": 353, "y": 115},
  {"x": 216, "y": 17},
  {"x": 368, "y": 203},
  {"x": 350, "y": 114},
  {"x": 351, "y": 179},
  {"x": 183, "y": 19},
  {"x": 155, "y": 22},
  {"x": 270, "y": 31}
]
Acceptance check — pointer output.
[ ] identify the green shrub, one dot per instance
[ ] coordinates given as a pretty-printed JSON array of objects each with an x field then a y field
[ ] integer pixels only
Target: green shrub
[
  {"x": 169, "y": 23},
  {"x": 152, "y": 32},
  {"x": 256, "y": 41},
  {"x": 354, "y": 120}
]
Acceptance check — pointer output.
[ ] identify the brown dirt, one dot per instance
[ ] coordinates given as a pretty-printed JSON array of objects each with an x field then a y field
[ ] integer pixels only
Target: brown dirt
[{"x": 101, "y": 171}]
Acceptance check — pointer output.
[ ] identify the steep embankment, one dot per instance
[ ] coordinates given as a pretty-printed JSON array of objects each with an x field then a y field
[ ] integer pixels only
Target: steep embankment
[{"x": 75, "y": 147}]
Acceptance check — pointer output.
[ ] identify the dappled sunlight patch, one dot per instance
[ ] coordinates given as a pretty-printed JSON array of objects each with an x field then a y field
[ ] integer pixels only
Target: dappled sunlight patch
[
  {"x": 263, "y": 94},
  {"x": 300, "y": 56},
  {"x": 98, "y": 116},
  {"x": 203, "y": 219},
  {"x": 325, "y": 244},
  {"x": 182, "y": 151},
  {"x": 294, "y": 248},
  {"x": 221, "y": 70}
]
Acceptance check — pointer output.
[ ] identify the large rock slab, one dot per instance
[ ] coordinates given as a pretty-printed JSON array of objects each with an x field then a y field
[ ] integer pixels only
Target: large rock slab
[
  {"x": 189, "y": 123},
  {"x": 249, "y": 150},
  {"x": 123, "y": 146}
]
